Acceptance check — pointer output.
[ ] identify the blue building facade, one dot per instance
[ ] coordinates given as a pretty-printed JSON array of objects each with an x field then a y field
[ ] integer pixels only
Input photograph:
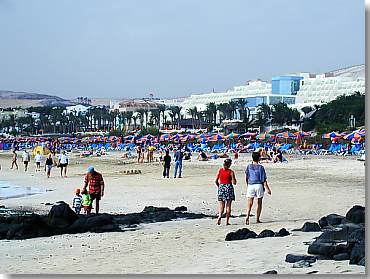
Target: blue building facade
[{"x": 285, "y": 85}]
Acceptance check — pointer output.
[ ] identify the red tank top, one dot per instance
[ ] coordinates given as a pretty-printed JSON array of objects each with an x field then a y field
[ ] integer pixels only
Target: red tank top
[{"x": 224, "y": 176}]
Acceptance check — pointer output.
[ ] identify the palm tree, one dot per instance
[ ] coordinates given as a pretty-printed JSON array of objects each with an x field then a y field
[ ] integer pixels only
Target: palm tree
[
  {"x": 232, "y": 106},
  {"x": 177, "y": 110},
  {"x": 223, "y": 109},
  {"x": 193, "y": 112},
  {"x": 263, "y": 116},
  {"x": 212, "y": 109},
  {"x": 134, "y": 118},
  {"x": 155, "y": 116},
  {"x": 141, "y": 115},
  {"x": 162, "y": 109}
]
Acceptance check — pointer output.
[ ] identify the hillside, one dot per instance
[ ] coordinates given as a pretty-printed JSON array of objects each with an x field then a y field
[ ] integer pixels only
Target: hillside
[{"x": 25, "y": 99}]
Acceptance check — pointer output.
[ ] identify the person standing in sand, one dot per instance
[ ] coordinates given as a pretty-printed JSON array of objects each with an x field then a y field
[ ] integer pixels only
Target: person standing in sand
[
  {"x": 256, "y": 185},
  {"x": 95, "y": 181},
  {"x": 26, "y": 158},
  {"x": 38, "y": 158},
  {"x": 63, "y": 163},
  {"x": 179, "y": 155},
  {"x": 49, "y": 165},
  {"x": 225, "y": 180},
  {"x": 166, "y": 164},
  {"x": 14, "y": 160}
]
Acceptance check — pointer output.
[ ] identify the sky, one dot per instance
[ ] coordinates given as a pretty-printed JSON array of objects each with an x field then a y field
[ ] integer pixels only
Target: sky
[{"x": 171, "y": 48}]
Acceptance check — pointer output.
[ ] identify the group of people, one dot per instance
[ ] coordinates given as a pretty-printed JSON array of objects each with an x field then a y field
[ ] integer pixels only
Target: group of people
[
  {"x": 93, "y": 189},
  {"x": 50, "y": 162},
  {"x": 256, "y": 179}
]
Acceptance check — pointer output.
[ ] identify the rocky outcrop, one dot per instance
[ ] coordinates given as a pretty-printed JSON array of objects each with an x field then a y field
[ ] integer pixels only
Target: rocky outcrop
[
  {"x": 63, "y": 220},
  {"x": 343, "y": 238},
  {"x": 246, "y": 233}
]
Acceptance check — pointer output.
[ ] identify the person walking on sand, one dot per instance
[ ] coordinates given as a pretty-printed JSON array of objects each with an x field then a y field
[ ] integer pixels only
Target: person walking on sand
[
  {"x": 14, "y": 160},
  {"x": 49, "y": 164},
  {"x": 179, "y": 155},
  {"x": 38, "y": 159},
  {"x": 63, "y": 163},
  {"x": 225, "y": 180},
  {"x": 166, "y": 164},
  {"x": 26, "y": 158},
  {"x": 256, "y": 185},
  {"x": 95, "y": 181}
]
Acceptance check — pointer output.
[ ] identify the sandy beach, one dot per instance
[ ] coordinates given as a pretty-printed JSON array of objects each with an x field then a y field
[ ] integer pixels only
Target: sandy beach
[{"x": 305, "y": 189}]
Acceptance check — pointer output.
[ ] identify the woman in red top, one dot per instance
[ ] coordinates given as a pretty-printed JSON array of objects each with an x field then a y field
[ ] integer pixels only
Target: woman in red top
[{"x": 225, "y": 180}]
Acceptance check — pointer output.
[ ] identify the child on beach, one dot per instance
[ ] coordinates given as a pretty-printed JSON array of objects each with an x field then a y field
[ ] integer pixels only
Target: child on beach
[
  {"x": 225, "y": 180},
  {"x": 86, "y": 201},
  {"x": 256, "y": 185},
  {"x": 77, "y": 201}
]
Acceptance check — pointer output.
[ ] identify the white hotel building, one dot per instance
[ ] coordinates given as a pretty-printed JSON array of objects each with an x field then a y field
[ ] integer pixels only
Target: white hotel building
[{"x": 296, "y": 90}]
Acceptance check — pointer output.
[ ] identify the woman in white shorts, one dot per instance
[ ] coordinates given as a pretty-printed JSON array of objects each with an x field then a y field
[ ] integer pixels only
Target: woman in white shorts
[{"x": 256, "y": 185}]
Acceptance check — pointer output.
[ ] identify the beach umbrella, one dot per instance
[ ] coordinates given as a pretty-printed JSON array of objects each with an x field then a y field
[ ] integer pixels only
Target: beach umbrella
[
  {"x": 265, "y": 136},
  {"x": 331, "y": 135},
  {"x": 175, "y": 137},
  {"x": 43, "y": 151},
  {"x": 217, "y": 137},
  {"x": 232, "y": 136},
  {"x": 165, "y": 137},
  {"x": 248, "y": 135},
  {"x": 187, "y": 138},
  {"x": 285, "y": 135},
  {"x": 354, "y": 135}
]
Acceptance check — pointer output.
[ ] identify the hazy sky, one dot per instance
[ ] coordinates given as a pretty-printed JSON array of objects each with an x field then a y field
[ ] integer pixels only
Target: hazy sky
[{"x": 128, "y": 48}]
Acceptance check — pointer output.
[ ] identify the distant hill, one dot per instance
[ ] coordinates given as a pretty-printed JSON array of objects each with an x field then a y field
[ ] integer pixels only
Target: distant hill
[
  {"x": 25, "y": 99},
  {"x": 352, "y": 72}
]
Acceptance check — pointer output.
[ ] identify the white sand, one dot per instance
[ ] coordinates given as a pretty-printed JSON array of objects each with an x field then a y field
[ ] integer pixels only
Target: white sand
[{"x": 305, "y": 189}]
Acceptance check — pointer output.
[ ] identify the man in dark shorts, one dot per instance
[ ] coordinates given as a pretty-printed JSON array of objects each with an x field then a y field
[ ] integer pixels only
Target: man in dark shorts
[{"x": 95, "y": 181}]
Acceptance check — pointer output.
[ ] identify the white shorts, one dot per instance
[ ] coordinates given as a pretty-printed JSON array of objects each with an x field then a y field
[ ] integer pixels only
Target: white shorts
[{"x": 255, "y": 191}]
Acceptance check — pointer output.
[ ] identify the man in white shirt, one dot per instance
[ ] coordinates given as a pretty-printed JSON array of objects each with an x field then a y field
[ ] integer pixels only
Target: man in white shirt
[
  {"x": 26, "y": 159},
  {"x": 63, "y": 163}
]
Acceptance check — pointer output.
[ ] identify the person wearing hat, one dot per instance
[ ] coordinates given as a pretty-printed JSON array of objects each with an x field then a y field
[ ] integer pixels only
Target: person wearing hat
[
  {"x": 77, "y": 201},
  {"x": 95, "y": 181},
  {"x": 225, "y": 180}
]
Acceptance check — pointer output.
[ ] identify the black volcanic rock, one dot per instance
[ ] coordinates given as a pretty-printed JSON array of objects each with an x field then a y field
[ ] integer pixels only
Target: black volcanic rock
[
  {"x": 311, "y": 227},
  {"x": 62, "y": 219},
  {"x": 356, "y": 214}
]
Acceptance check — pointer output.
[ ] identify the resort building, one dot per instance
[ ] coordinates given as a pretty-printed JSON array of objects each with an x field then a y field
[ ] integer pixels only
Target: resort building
[
  {"x": 296, "y": 90},
  {"x": 77, "y": 109}
]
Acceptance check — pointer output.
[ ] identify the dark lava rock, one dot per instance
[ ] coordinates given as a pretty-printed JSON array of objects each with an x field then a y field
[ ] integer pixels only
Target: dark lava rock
[
  {"x": 357, "y": 236},
  {"x": 282, "y": 232},
  {"x": 323, "y": 222},
  {"x": 331, "y": 220},
  {"x": 292, "y": 258},
  {"x": 62, "y": 219},
  {"x": 240, "y": 234},
  {"x": 351, "y": 227},
  {"x": 312, "y": 272},
  {"x": 61, "y": 215},
  {"x": 181, "y": 208},
  {"x": 321, "y": 248},
  {"x": 341, "y": 257},
  {"x": 335, "y": 235},
  {"x": 266, "y": 233},
  {"x": 357, "y": 253},
  {"x": 311, "y": 227},
  {"x": 270, "y": 272},
  {"x": 93, "y": 223},
  {"x": 153, "y": 209},
  {"x": 356, "y": 214},
  {"x": 327, "y": 249}
]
